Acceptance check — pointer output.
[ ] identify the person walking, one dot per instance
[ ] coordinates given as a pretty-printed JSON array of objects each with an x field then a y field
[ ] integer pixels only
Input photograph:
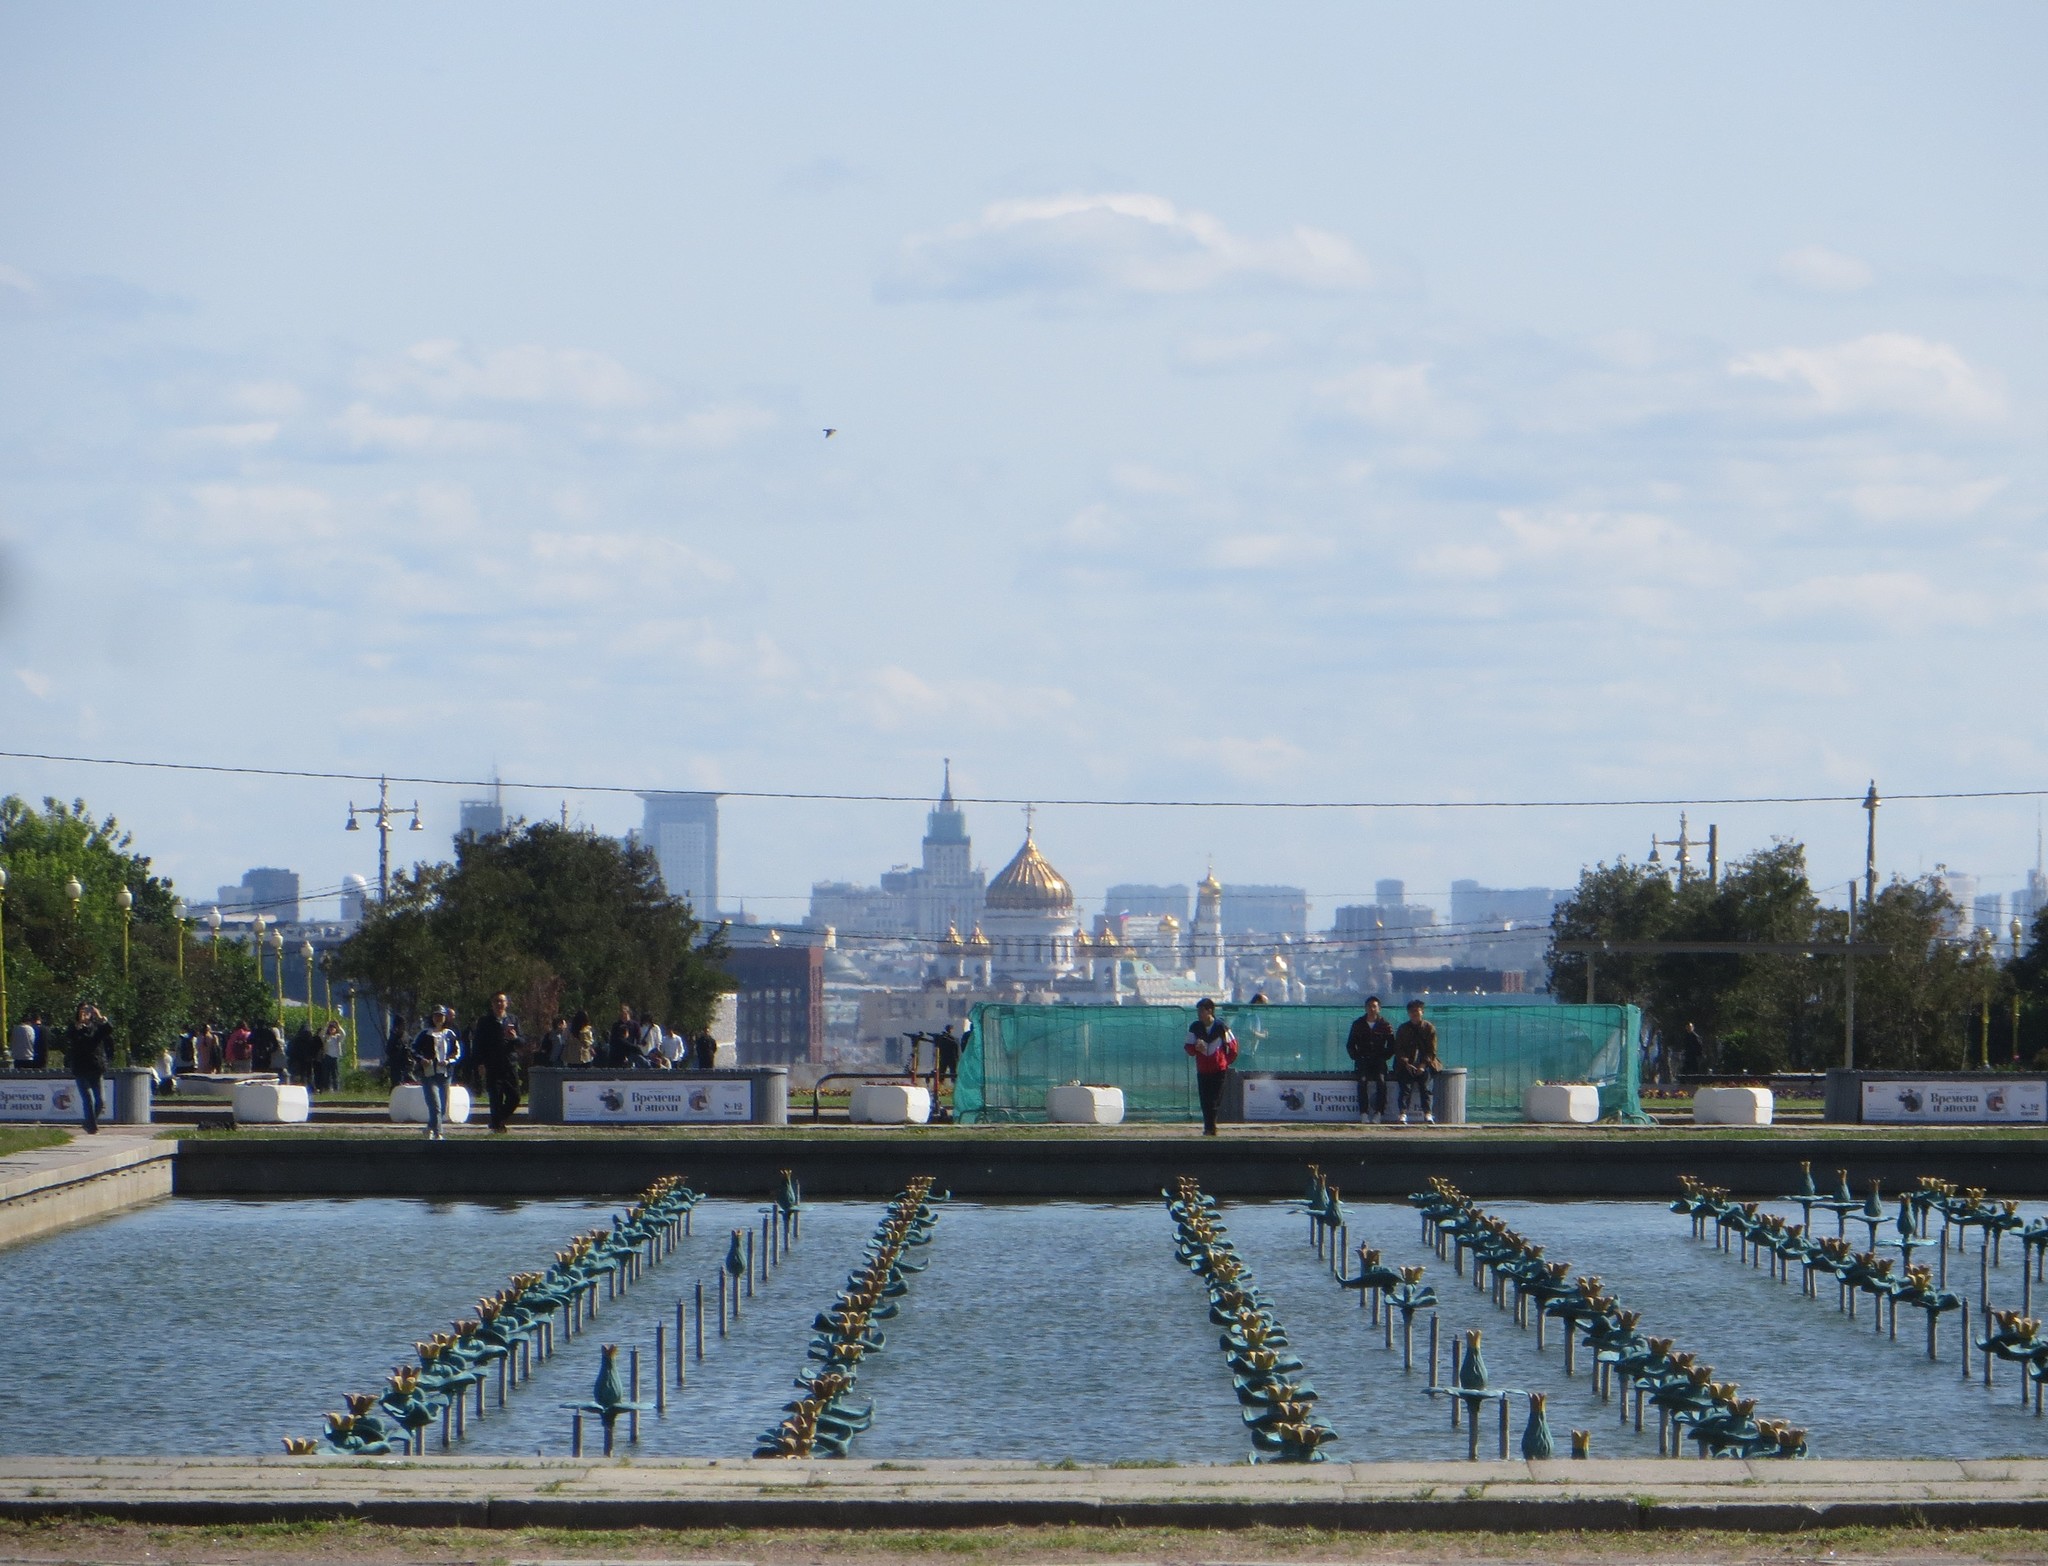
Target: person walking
[
  {"x": 435, "y": 1053},
  {"x": 1214, "y": 1047},
  {"x": 21, "y": 1042},
  {"x": 1370, "y": 1044},
  {"x": 89, "y": 1046},
  {"x": 495, "y": 1040},
  {"x": 1415, "y": 1062}
]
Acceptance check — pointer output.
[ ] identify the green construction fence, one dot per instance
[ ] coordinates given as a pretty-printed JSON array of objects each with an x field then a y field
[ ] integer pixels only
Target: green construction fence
[{"x": 1015, "y": 1053}]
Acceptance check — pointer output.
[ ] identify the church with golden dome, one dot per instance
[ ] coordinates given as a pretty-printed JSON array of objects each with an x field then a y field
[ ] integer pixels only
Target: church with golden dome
[{"x": 1029, "y": 920}]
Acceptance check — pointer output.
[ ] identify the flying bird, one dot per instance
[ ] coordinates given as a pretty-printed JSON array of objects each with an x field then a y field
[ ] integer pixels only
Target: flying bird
[{"x": 830, "y": 433}]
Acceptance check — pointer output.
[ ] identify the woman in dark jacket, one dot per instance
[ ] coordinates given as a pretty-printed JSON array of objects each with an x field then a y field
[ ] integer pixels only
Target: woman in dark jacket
[{"x": 89, "y": 1045}]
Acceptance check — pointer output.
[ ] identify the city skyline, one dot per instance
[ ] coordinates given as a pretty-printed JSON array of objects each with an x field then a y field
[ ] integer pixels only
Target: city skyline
[{"x": 1592, "y": 405}]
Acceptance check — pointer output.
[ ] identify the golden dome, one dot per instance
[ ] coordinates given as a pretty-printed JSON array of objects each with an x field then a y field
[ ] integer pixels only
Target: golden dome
[
  {"x": 1028, "y": 884},
  {"x": 1277, "y": 965},
  {"x": 1081, "y": 938},
  {"x": 1168, "y": 922},
  {"x": 1210, "y": 886},
  {"x": 977, "y": 942}
]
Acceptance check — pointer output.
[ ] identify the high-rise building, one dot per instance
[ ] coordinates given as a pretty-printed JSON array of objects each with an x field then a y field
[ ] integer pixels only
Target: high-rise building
[
  {"x": 1147, "y": 900},
  {"x": 479, "y": 818},
  {"x": 1265, "y": 910},
  {"x": 355, "y": 896},
  {"x": 781, "y": 1002},
  {"x": 1474, "y": 906},
  {"x": 1987, "y": 912},
  {"x": 266, "y": 890},
  {"x": 944, "y": 891},
  {"x": 682, "y": 832}
]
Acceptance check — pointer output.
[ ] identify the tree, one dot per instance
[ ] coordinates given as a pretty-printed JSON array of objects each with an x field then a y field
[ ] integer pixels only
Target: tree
[
  {"x": 555, "y": 916},
  {"x": 58, "y": 955},
  {"x": 1915, "y": 1007}
]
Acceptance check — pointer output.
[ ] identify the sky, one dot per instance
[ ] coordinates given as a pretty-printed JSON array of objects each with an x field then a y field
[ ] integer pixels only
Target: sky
[{"x": 1321, "y": 402}]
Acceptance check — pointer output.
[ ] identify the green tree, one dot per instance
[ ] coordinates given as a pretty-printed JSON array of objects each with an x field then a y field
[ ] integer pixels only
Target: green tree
[
  {"x": 58, "y": 955},
  {"x": 557, "y": 917}
]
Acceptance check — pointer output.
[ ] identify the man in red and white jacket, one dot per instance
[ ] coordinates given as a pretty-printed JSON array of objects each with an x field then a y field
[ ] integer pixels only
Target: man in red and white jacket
[{"x": 1214, "y": 1047}]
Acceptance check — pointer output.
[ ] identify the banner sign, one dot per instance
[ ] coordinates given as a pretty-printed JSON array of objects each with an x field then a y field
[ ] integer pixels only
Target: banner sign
[
  {"x": 1300, "y": 1098},
  {"x": 48, "y": 1098},
  {"x": 662, "y": 1099},
  {"x": 1992, "y": 1101}
]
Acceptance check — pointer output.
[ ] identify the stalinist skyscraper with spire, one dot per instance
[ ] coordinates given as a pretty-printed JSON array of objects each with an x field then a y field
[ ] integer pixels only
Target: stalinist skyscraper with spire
[{"x": 945, "y": 891}]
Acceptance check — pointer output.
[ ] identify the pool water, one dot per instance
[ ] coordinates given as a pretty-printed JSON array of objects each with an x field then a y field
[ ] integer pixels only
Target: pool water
[{"x": 1039, "y": 1331}]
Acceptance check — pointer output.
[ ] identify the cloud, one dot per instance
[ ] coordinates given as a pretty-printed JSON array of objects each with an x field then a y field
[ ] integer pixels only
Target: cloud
[
  {"x": 623, "y": 566},
  {"x": 1819, "y": 270},
  {"x": 894, "y": 698},
  {"x": 1888, "y": 601},
  {"x": 1883, "y": 373},
  {"x": 1268, "y": 759},
  {"x": 1227, "y": 353},
  {"x": 448, "y": 371},
  {"x": 1594, "y": 548},
  {"x": 1112, "y": 244},
  {"x": 236, "y": 514},
  {"x": 708, "y": 429},
  {"x": 369, "y": 429},
  {"x": 1267, "y": 551},
  {"x": 236, "y": 437},
  {"x": 22, "y": 293},
  {"x": 37, "y": 685},
  {"x": 1900, "y": 500}
]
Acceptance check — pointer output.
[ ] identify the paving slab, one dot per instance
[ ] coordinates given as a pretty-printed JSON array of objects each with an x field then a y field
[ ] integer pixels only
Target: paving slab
[{"x": 600, "y": 1493}]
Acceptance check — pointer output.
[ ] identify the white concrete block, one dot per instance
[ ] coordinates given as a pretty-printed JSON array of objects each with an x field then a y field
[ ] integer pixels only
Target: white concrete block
[
  {"x": 894, "y": 1104},
  {"x": 1074, "y": 1104},
  {"x": 409, "y": 1104},
  {"x": 1732, "y": 1106},
  {"x": 1561, "y": 1103},
  {"x": 271, "y": 1103}
]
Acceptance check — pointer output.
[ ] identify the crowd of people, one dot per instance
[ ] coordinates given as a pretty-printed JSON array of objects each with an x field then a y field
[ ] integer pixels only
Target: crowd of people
[{"x": 492, "y": 1055}]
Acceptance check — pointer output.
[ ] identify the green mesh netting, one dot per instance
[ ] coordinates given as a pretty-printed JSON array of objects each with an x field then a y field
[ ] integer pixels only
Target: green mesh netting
[{"x": 1017, "y": 1052}]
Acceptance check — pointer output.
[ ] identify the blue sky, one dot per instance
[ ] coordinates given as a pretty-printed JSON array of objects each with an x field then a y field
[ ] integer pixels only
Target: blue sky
[{"x": 1305, "y": 402}]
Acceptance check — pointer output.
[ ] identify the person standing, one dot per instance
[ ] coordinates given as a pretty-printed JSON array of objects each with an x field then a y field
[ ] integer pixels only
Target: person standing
[
  {"x": 89, "y": 1044},
  {"x": 1692, "y": 1051},
  {"x": 946, "y": 1049},
  {"x": 21, "y": 1043},
  {"x": 554, "y": 1045},
  {"x": 434, "y": 1053},
  {"x": 1214, "y": 1047},
  {"x": 582, "y": 1041},
  {"x": 238, "y": 1048},
  {"x": 332, "y": 1042},
  {"x": 706, "y": 1047},
  {"x": 303, "y": 1058},
  {"x": 622, "y": 1049},
  {"x": 495, "y": 1041},
  {"x": 1415, "y": 1062},
  {"x": 1370, "y": 1044}
]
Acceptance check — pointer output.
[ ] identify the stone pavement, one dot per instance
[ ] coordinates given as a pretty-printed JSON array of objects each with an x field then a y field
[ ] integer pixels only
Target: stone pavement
[
  {"x": 47, "y": 1188},
  {"x": 481, "y": 1492}
]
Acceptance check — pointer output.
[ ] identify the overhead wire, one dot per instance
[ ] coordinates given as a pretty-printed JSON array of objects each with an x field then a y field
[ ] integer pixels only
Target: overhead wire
[{"x": 833, "y": 796}]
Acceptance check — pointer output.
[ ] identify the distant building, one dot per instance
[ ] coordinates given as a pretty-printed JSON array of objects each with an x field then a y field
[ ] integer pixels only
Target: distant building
[
  {"x": 682, "y": 832},
  {"x": 479, "y": 818},
  {"x": 781, "y": 1003},
  {"x": 1152, "y": 901},
  {"x": 1207, "y": 947},
  {"x": 1265, "y": 910},
  {"x": 1987, "y": 910},
  {"x": 943, "y": 892},
  {"x": 355, "y": 897},
  {"x": 266, "y": 890},
  {"x": 1473, "y": 905}
]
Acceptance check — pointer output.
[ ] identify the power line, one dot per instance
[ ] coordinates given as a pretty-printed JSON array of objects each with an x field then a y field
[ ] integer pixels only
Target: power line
[{"x": 822, "y": 796}]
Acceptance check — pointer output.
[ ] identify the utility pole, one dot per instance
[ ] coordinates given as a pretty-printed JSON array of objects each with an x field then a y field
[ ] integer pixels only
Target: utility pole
[
  {"x": 1870, "y": 804},
  {"x": 381, "y": 813},
  {"x": 1849, "y": 990}
]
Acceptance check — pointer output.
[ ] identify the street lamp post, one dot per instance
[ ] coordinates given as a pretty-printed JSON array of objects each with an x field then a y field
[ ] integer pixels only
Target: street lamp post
[
  {"x": 382, "y": 813},
  {"x": 256, "y": 944},
  {"x": 178, "y": 913},
  {"x": 213, "y": 934},
  {"x": 306, "y": 951},
  {"x": 74, "y": 891},
  {"x": 277, "y": 953},
  {"x": 125, "y": 901},
  {"x": 2017, "y": 930}
]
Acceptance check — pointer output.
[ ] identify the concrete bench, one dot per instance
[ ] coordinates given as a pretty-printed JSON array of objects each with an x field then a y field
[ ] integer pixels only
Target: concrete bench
[
  {"x": 1561, "y": 1103},
  {"x": 271, "y": 1103},
  {"x": 1079, "y": 1105},
  {"x": 889, "y": 1104},
  {"x": 409, "y": 1104},
  {"x": 1732, "y": 1106}
]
